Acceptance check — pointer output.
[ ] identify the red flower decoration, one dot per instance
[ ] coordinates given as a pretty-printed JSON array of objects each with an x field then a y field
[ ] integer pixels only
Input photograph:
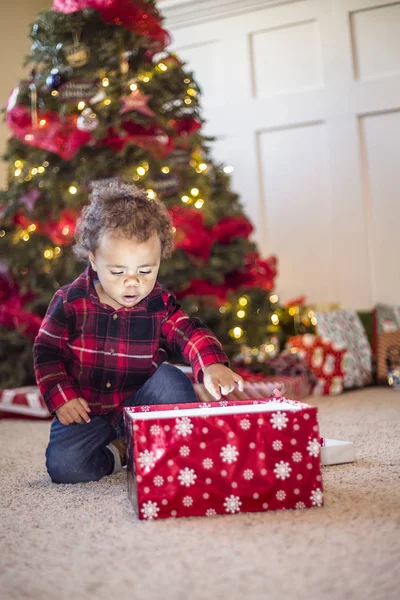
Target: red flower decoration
[
  {"x": 191, "y": 234},
  {"x": 201, "y": 287},
  {"x": 55, "y": 135},
  {"x": 135, "y": 15},
  {"x": 153, "y": 138},
  {"x": 12, "y": 313},
  {"x": 258, "y": 273},
  {"x": 232, "y": 227},
  {"x": 185, "y": 127}
]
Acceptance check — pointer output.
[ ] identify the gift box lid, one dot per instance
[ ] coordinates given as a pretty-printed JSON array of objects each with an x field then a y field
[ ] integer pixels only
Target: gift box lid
[{"x": 224, "y": 407}]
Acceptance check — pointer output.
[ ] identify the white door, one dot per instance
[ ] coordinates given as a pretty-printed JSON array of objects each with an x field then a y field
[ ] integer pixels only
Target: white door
[{"x": 304, "y": 98}]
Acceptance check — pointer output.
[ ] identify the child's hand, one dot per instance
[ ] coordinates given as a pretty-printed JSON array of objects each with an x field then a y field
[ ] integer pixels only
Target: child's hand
[
  {"x": 218, "y": 376},
  {"x": 74, "y": 411}
]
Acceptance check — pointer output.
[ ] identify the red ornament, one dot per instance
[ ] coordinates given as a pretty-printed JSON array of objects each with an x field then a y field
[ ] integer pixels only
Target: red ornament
[
  {"x": 228, "y": 229},
  {"x": 62, "y": 232},
  {"x": 136, "y": 102},
  {"x": 135, "y": 15}
]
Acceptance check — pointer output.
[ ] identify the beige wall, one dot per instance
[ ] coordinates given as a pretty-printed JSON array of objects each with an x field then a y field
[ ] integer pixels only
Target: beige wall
[{"x": 15, "y": 18}]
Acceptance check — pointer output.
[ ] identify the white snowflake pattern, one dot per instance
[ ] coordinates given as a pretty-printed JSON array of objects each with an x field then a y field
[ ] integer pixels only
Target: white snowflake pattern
[
  {"x": 208, "y": 463},
  {"x": 223, "y": 403},
  {"x": 210, "y": 512},
  {"x": 297, "y": 456},
  {"x": 300, "y": 505},
  {"x": 232, "y": 504},
  {"x": 248, "y": 474},
  {"x": 204, "y": 405},
  {"x": 158, "y": 480},
  {"x": 229, "y": 454},
  {"x": 279, "y": 420},
  {"x": 145, "y": 408},
  {"x": 187, "y": 501},
  {"x": 277, "y": 445},
  {"x": 146, "y": 459},
  {"x": 150, "y": 510},
  {"x": 245, "y": 424},
  {"x": 282, "y": 470},
  {"x": 280, "y": 495},
  {"x": 316, "y": 497},
  {"x": 187, "y": 477},
  {"x": 184, "y": 450},
  {"x": 184, "y": 426},
  {"x": 313, "y": 447},
  {"x": 155, "y": 430}
]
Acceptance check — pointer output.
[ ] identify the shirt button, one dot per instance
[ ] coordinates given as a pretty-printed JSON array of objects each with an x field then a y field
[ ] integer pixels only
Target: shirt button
[
  {"x": 108, "y": 384},
  {"x": 112, "y": 351},
  {"x": 115, "y": 316}
]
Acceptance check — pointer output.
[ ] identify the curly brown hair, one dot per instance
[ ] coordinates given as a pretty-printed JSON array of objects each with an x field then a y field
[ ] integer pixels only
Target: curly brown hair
[{"x": 121, "y": 206}]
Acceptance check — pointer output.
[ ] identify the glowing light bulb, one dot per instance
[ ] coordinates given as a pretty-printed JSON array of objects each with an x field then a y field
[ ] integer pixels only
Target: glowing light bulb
[
  {"x": 165, "y": 170},
  {"x": 274, "y": 298},
  {"x": 243, "y": 301},
  {"x": 81, "y": 105},
  {"x": 18, "y": 163},
  {"x": 194, "y": 192},
  {"x": 241, "y": 314},
  {"x": 65, "y": 230},
  {"x": 275, "y": 319},
  {"x": 185, "y": 199},
  {"x": 162, "y": 66},
  {"x": 17, "y": 172},
  {"x": 141, "y": 171},
  {"x": 42, "y": 122},
  {"x": 237, "y": 332},
  {"x": 199, "y": 203},
  {"x": 228, "y": 169},
  {"x": 72, "y": 189},
  {"x": 105, "y": 82},
  {"x": 151, "y": 194},
  {"x": 133, "y": 87}
]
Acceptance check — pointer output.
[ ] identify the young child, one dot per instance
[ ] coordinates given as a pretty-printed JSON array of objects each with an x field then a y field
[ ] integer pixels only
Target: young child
[{"x": 99, "y": 346}]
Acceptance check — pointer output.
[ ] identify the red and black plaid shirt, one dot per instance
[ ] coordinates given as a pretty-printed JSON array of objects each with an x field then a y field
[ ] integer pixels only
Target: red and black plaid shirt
[{"x": 90, "y": 350}]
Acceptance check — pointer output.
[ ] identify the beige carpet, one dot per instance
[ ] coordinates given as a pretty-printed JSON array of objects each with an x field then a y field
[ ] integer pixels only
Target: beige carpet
[{"x": 84, "y": 541}]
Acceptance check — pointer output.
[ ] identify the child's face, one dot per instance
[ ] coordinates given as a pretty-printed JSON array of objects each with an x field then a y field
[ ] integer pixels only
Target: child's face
[{"x": 127, "y": 269}]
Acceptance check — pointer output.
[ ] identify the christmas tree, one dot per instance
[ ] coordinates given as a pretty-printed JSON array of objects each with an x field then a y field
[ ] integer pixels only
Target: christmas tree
[{"x": 106, "y": 99}]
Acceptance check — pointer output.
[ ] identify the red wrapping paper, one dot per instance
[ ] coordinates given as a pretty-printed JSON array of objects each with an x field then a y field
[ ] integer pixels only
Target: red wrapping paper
[
  {"x": 326, "y": 359},
  {"x": 208, "y": 464}
]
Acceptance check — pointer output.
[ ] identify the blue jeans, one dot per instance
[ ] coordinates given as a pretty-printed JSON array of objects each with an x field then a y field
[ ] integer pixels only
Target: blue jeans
[{"x": 78, "y": 453}]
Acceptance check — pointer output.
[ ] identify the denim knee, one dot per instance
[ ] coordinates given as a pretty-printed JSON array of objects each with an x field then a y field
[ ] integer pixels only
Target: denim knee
[
  {"x": 60, "y": 466},
  {"x": 65, "y": 466},
  {"x": 176, "y": 386}
]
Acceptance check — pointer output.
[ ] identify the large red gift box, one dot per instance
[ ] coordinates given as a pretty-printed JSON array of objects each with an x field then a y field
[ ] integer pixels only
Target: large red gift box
[{"x": 223, "y": 458}]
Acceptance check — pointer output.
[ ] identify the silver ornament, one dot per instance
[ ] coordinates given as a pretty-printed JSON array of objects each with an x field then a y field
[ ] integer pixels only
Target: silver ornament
[{"x": 87, "y": 121}]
